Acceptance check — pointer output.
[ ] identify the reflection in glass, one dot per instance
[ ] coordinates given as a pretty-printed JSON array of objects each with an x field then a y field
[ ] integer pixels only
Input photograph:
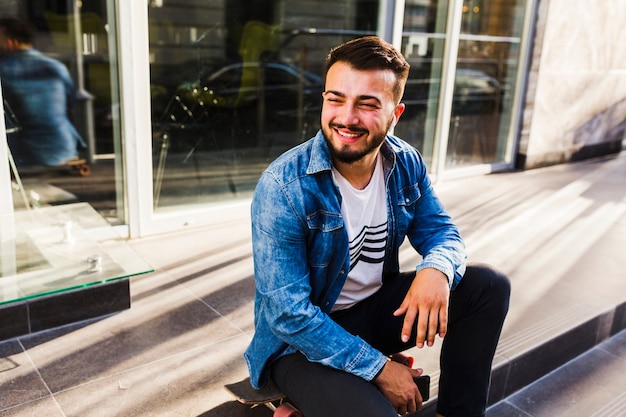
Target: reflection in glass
[
  {"x": 487, "y": 66},
  {"x": 234, "y": 86},
  {"x": 82, "y": 38},
  {"x": 422, "y": 45}
]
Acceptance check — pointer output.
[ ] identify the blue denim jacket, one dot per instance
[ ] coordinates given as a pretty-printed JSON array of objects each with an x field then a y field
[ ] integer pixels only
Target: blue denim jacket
[{"x": 301, "y": 255}]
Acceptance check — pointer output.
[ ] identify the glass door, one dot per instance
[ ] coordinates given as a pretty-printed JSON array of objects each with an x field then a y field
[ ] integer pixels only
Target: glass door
[
  {"x": 423, "y": 45},
  {"x": 487, "y": 65},
  {"x": 465, "y": 60}
]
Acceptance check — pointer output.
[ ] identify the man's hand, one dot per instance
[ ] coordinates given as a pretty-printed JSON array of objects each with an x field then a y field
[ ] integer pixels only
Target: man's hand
[
  {"x": 427, "y": 300},
  {"x": 396, "y": 383}
]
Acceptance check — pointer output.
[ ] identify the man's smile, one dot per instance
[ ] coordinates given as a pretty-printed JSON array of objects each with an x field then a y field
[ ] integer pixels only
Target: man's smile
[{"x": 347, "y": 134}]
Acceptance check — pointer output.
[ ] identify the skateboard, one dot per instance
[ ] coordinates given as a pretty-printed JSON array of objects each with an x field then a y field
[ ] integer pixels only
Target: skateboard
[
  {"x": 270, "y": 396},
  {"x": 79, "y": 165},
  {"x": 275, "y": 400}
]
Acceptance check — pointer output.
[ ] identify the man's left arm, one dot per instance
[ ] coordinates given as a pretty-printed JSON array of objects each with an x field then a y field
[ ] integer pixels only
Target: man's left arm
[{"x": 434, "y": 235}]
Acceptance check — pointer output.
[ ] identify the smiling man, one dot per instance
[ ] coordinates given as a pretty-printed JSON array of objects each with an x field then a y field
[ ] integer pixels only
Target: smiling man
[{"x": 328, "y": 219}]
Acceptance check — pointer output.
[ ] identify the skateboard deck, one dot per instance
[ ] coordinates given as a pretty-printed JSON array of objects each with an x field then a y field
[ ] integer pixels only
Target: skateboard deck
[
  {"x": 270, "y": 394},
  {"x": 79, "y": 165},
  {"x": 245, "y": 394}
]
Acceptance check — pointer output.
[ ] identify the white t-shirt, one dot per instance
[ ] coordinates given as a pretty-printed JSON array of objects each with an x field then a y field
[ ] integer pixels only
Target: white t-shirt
[{"x": 365, "y": 218}]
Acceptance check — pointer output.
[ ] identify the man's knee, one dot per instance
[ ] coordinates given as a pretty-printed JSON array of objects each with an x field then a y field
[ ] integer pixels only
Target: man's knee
[{"x": 497, "y": 285}]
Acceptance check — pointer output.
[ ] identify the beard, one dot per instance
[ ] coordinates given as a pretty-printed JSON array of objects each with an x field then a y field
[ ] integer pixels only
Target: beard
[{"x": 346, "y": 155}]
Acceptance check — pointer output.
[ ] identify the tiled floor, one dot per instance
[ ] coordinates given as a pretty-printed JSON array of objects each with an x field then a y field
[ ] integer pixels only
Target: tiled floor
[{"x": 558, "y": 232}]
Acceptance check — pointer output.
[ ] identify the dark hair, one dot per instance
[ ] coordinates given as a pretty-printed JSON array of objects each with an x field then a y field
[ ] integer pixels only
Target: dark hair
[
  {"x": 17, "y": 29},
  {"x": 372, "y": 53}
]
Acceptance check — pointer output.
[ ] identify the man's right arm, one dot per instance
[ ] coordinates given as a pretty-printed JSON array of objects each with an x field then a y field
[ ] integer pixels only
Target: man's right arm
[{"x": 283, "y": 280}]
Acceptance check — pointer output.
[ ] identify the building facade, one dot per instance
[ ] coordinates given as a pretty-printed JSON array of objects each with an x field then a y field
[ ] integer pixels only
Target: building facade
[
  {"x": 182, "y": 103},
  {"x": 575, "y": 99}
]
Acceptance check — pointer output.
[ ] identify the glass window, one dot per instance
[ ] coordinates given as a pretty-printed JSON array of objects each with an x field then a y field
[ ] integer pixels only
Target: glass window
[
  {"x": 234, "y": 84},
  {"x": 59, "y": 84},
  {"x": 487, "y": 65},
  {"x": 423, "y": 40}
]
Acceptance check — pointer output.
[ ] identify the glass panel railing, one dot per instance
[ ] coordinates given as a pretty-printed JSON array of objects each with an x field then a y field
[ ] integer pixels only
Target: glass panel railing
[{"x": 59, "y": 248}]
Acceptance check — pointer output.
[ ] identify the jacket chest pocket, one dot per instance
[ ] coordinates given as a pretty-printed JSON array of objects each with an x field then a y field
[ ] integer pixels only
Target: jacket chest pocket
[
  {"x": 325, "y": 231},
  {"x": 406, "y": 200},
  {"x": 409, "y": 195}
]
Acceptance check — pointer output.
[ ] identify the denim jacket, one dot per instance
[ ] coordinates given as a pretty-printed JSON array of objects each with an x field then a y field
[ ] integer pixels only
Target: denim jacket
[{"x": 301, "y": 256}]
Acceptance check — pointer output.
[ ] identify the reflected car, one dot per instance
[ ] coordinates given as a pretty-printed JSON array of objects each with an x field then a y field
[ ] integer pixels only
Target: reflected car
[
  {"x": 475, "y": 92},
  {"x": 243, "y": 105},
  {"x": 280, "y": 93}
]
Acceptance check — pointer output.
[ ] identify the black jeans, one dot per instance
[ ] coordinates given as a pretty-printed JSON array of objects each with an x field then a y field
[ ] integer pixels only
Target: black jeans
[{"x": 477, "y": 310}]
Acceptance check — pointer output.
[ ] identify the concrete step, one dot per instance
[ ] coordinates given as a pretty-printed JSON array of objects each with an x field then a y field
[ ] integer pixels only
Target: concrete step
[
  {"x": 591, "y": 385},
  {"x": 519, "y": 380}
]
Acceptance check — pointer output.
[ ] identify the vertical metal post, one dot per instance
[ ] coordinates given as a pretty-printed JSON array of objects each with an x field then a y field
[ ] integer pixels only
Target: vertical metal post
[
  {"x": 85, "y": 100},
  {"x": 136, "y": 125},
  {"x": 385, "y": 19},
  {"x": 442, "y": 130},
  {"x": 521, "y": 80},
  {"x": 7, "y": 225},
  {"x": 6, "y": 190},
  {"x": 398, "y": 24}
]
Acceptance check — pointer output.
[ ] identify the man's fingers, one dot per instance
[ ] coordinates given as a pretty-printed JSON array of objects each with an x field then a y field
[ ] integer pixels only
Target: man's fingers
[
  {"x": 433, "y": 326},
  {"x": 407, "y": 327},
  {"x": 430, "y": 323},
  {"x": 443, "y": 321},
  {"x": 412, "y": 406},
  {"x": 423, "y": 327},
  {"x": 402, "y": 309}
]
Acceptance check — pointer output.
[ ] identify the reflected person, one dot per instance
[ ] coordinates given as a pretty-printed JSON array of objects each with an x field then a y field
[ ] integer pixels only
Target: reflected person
[
  {"x": 331, "y": 304},
  {"x": 40, "y": 93}
]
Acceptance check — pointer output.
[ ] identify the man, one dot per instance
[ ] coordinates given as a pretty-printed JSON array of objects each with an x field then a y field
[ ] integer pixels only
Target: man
[
  {"x": 39, "y": 91},
  {"x": 331, "y": 305}
]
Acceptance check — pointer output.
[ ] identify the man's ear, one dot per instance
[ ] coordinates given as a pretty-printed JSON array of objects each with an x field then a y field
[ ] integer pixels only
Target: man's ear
[{"x": 397, "y": 112}]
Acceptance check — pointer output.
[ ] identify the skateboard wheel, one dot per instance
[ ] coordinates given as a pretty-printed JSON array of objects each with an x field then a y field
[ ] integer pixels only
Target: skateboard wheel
[
  {"x": 287, "y": 410},
  {"x": 84, "y": 170},
  {"x": 403, "y": 359}
]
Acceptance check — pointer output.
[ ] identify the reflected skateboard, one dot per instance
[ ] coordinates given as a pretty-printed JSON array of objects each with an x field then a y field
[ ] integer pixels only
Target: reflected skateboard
[{"x": 79, "y": 165}]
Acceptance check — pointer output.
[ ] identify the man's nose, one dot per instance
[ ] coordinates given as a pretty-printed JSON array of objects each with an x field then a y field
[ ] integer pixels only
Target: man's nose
[{"x": 349, "y": 115}]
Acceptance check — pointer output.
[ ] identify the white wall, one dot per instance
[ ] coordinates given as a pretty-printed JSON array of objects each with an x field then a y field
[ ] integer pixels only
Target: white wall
[{"x": 576, "y": 103}]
